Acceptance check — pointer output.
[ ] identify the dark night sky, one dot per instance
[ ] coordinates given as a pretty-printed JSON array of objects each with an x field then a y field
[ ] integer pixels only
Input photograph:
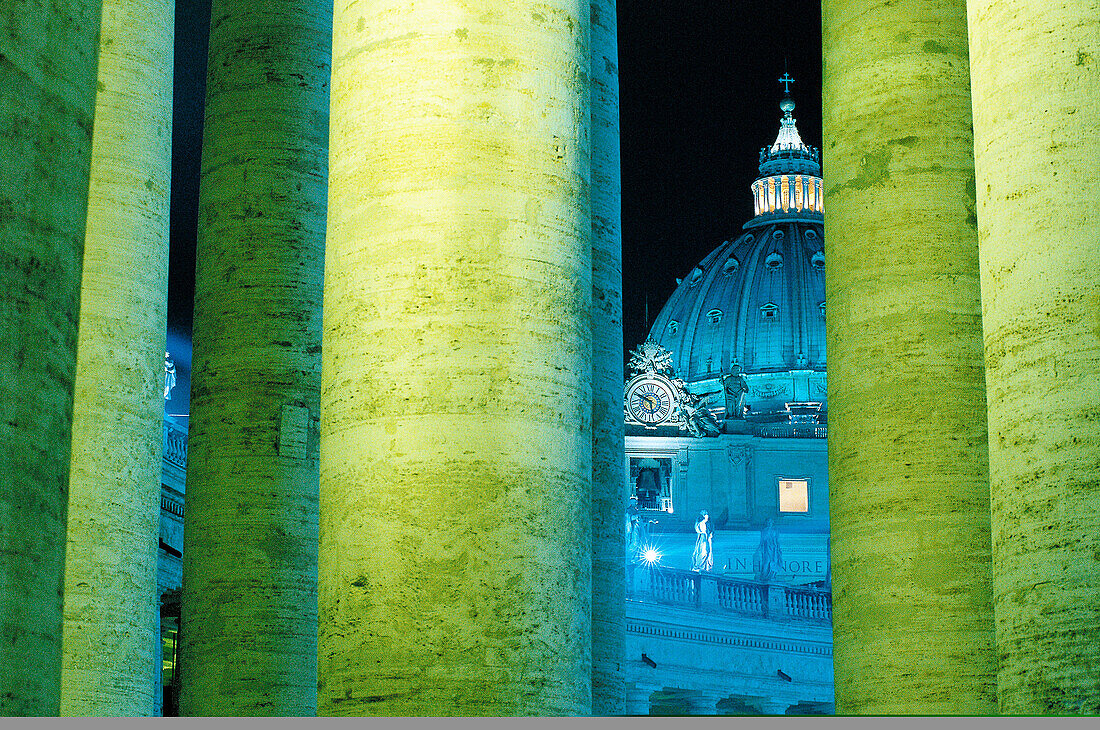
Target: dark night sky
[{"x": 698, "y": 99}]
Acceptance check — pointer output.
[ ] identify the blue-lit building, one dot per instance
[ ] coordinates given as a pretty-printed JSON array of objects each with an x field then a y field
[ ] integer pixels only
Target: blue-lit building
[{"x": 726, "y": 411}]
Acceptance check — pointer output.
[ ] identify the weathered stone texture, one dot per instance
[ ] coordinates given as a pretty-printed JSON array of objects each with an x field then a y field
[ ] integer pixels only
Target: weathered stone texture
[
  {"x": 248, "y": 643},
  {"x": 608, "y": 479},
  {"x": 909, "y": 500},
  {"x": 456, "y": 447},
  {"x": 111, "y": 604},
  {"x": 47, "y": 97},
  {"x": 1036, "y": 73}
]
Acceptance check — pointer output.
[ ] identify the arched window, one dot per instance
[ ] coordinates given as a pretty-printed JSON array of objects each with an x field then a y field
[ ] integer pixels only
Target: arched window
[
  {"x": 715, "y": 316},
  {"x": 769, "y": 311}
]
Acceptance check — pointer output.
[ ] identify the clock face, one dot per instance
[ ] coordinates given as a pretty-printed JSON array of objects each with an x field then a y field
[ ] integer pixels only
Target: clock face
[{"x": 649, "y": 401}]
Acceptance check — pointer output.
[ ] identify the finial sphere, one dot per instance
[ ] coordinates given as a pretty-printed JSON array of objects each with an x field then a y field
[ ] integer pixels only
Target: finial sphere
[{"x": 787, "y": 104}]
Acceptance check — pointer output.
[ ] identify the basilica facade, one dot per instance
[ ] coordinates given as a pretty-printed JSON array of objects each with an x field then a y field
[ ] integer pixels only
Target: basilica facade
[{"x": 726, "y": 412}]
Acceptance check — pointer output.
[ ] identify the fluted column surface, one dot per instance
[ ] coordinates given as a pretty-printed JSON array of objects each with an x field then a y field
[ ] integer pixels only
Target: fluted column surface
[
  {"x": 909, "y": 496},
  {"x": 1036, "y": 74},
  {"x": 109, "y": 639},
  {"x": 248, "y": 635},
  {"x": 608, "y": 479},
  {"x": 456, "y": 447},
  {"x": 47, "y": 97}
]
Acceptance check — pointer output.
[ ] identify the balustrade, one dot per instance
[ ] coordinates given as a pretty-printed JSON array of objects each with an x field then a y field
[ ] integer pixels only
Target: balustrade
[{"x": 743, "y": 596}]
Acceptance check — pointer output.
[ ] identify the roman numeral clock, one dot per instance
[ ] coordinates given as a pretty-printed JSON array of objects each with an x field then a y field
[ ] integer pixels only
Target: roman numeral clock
[{"x": 649, "y": 400}]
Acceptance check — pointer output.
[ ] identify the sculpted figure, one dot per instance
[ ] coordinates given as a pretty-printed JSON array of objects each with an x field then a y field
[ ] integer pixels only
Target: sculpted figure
[
  {"x": 169, "y": 376},
  {"x": 698, "y": 420},
  {"x": 767, "y": 561},
  {"x": 702, "y": 558},
  {"x": 735, "y": 388},
  {"x": 632, "y": 524}
]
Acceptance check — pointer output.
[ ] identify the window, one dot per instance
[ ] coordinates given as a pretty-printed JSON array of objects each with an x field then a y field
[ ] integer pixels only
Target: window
[
  {"x": 769, "y": 311},
  {"x": 715, "y": 316},
  {"x": 794, "y": 495},
  {"x": 774, "y": 262},
  {"x": 818, "y": 260},
  {"x": 731, "y": 266},
  {"x": 673, "y": 325}
]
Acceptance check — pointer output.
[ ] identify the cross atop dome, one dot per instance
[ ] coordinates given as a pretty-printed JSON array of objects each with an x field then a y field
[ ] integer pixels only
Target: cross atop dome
[{"x": 786, "y": 80}]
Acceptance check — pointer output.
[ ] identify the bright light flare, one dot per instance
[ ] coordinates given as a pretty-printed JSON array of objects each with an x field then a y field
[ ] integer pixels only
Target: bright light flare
[{"x": 651, "y": 556}]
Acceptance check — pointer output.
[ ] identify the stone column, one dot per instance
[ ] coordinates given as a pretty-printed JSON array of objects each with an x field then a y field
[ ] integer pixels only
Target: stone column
[
  {"x": 909, "y": 498},
  {"x": 109, "y": 638},
  {"x": 47, "y": 100},
  {"x": 250, "y": 538},
  {"x": 1036, "y": 74},
  {"x": 456, "y": 445},
  {"x": 608, "y": 447}
]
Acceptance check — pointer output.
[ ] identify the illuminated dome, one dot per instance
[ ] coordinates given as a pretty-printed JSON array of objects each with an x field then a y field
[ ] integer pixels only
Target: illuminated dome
[{"x": 758, "y": 301}]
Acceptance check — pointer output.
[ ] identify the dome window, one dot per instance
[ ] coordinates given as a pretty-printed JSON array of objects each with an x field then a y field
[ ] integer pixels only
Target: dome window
[
  {"x": 777, "y": 234},
  {"x": 774, "y": 262},
  {"x": 715, "y": 316},
  {"x": 818, "y": 260},
  {"x": 673, "y": 325},
  {"x": 730, "y": 266},
  {"x": 769, "y": 311},
  {"x": 822, "y": 307},
  {"x": 811, "y": 234},
  {"x": 696, "y": 275}
]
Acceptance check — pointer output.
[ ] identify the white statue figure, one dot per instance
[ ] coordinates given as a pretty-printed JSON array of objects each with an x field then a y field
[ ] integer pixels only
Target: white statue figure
[
  {"x": 169, "y": 376},
  {"x": 767, "y": 561},
  {"x": 702, "y": 558}
]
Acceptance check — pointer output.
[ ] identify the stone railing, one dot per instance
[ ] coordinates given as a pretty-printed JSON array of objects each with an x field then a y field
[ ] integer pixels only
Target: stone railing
[
  {"x": 175, "y": 444},
  {"x": 706, "y": 590},
  {"x": 792, "y": 431}
]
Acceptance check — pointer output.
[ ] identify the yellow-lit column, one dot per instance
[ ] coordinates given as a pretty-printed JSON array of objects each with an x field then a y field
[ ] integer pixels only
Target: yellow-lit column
[
  {"x": 908, "y": 486},
  {"x": 47, "y": 98},
  {"x": 249, "y": 613},
  {"x": 1035, "y": 68},
  {"x": 109, "y": 639},
  {"x": 608, "y": 480},
  {"x": 456, "y": 446}
]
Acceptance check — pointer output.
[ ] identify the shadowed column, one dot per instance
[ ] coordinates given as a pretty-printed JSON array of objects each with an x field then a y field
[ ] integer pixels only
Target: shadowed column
[
  {"x": 111, "y": 603},
  {"x": 456, "y": 447},
  {"x": 909, "y": 496},
  {"x": 248, "y": 634},
  {"x": 608, "y": 479},
  {"x": 47, "y": 99},
  {"x": 1036, "y": 73}
]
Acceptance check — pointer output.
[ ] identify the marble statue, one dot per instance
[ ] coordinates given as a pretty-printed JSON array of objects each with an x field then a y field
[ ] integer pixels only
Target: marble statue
[
  {"x": 734, "y": 387},
  {"x": 702, "y": 558},
  {"x": 767, "y": 561},
  {"x": 169, "y": 376}
]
